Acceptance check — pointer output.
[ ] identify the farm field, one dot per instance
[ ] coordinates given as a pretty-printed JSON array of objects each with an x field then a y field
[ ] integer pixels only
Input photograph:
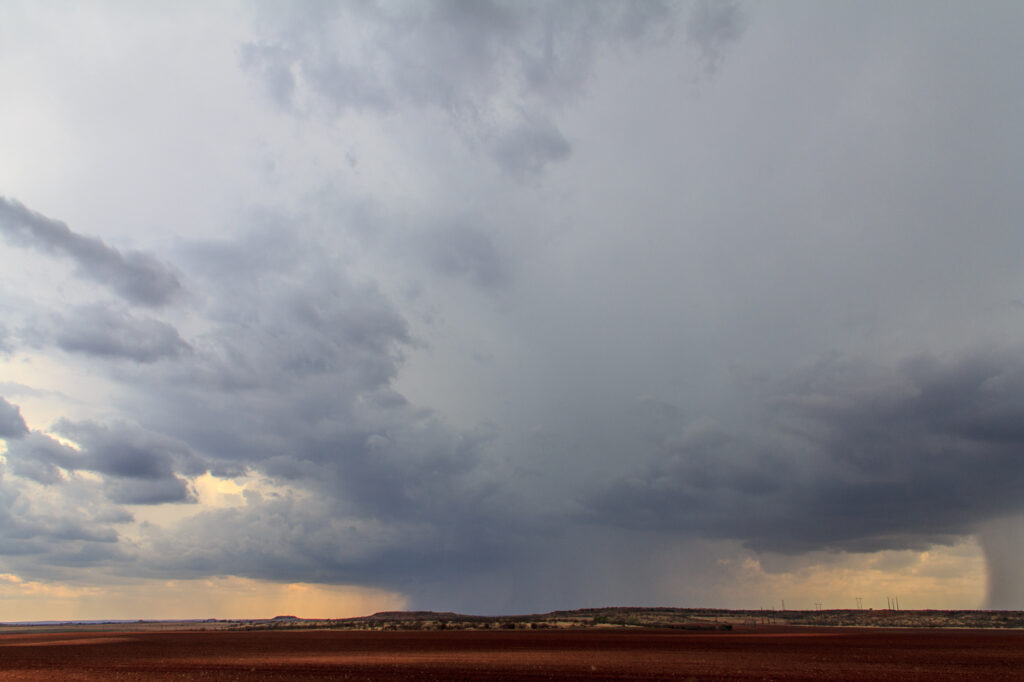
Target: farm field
[{"x": 762, "y": 653}]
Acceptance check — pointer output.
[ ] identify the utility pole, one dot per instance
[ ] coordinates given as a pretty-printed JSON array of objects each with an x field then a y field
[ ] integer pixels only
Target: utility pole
[{"x": 860, "y": 603}]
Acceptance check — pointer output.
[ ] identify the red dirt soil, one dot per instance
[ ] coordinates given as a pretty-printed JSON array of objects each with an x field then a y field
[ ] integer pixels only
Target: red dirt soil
[{"x": 762, "y": 654}]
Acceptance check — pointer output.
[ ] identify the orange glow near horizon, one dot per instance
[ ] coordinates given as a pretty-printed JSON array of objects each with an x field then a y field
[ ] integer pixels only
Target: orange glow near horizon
[
  {"x": 943, "y": 577},
  {"x": 222, "y": 598}
]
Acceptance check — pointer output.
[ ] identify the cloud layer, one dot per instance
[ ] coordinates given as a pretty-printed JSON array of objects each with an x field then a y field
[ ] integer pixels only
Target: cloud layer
[
  {"x": 857, "y": 458},
  {"x": 136, "y": 276},
  {"x": 498, "y": 71},
  {"x": 486, "y": 300}
]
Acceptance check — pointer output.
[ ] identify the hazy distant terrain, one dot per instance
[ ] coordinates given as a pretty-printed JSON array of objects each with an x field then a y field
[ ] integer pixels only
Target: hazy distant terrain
[
  {"x": 596, "y": 618},
  {"x": 663, "y": 617}
]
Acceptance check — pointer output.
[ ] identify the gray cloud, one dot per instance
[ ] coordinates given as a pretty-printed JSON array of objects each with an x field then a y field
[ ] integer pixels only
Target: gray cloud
[
  {"x": 850, "y": 457},
  {"x": 466, "y": 252},
  {"x": 129, "y": 451},
  {"x": 844, "y": 188},
  {"x": 293, "y": 380},
  {"x": 274, "y": 66},
  {"x": 136, "y": 276},
  {"x": 42, "y": 538},
  {"x": 712, "y": 26},
  {"x": 155, "y": 491},
  {"x": 317, "y": 339},
  {"x": 139, "y": 467},
  {"x": 103, "y": 331},
  {"x": 528, "y": 147},
  {"x": 40, "y": 458},
  {"x": 11, "y": 423},
  {"x": 315, "y": 539},
  {"x": 499, "y": 70}
]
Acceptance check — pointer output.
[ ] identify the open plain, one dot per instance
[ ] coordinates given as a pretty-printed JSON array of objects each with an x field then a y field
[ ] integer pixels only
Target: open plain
[{"x": 758, "y": 653}]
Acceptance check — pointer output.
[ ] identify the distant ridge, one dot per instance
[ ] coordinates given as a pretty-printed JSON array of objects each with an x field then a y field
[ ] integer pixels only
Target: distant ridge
[
  {"x": 667, "y": 618},
  {"x": 415, "y": 615}
]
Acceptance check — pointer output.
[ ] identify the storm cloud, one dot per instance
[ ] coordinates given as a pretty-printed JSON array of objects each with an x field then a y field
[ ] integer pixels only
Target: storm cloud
[
  {"x": 45, "y": 532},
  {"x": 136, "y": 276},
  {"x": 137, "y": 467},
  {"x": 466, "y": 252},
  {"x": 847, "y": 457},
  {"x": 712, "y": 26},
  {"x": 103, "y": 331},
  {"x": 497, "y": 70},
  {"x": 11, "y": 423},
  {"x": 480, "y": 302}
]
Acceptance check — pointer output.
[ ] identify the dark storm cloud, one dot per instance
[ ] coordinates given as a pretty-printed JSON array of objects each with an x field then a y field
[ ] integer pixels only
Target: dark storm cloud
[
  {"x": 286, "y": 538},
  {"x": 495, "y": 68},
  {"x": 104, "y": 331},
  {"x": 160, "y": 491},
  {"x": 848, "y": 457},
  {"x": 39, "y": 537},
  {"x": 128, "y": 451},
  {"x": 139, "y": 467},
  {"x": 11, "y": 423},
  {"x": 466, "y": 252},
  {"x": 848, "y": 192},
  {"x": 136, "y": 276},
  {"x": 528, "y": 147},
  {"x": 712, "y": 26},
  {"x": 59, "y": 537},
  {"x": 293, "y": 380},
  {"x": 40, "y": 458},
  {"x": 297, "y": 349},
  {"x": 308, "y": 331}
]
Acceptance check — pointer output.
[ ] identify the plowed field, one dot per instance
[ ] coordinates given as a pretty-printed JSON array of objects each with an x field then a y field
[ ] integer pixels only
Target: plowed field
[{"x": 761, "y": 654}]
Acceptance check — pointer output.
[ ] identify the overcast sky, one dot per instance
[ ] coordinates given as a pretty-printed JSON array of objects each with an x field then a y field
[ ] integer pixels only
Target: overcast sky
[{"x": 508, "y": 307}]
